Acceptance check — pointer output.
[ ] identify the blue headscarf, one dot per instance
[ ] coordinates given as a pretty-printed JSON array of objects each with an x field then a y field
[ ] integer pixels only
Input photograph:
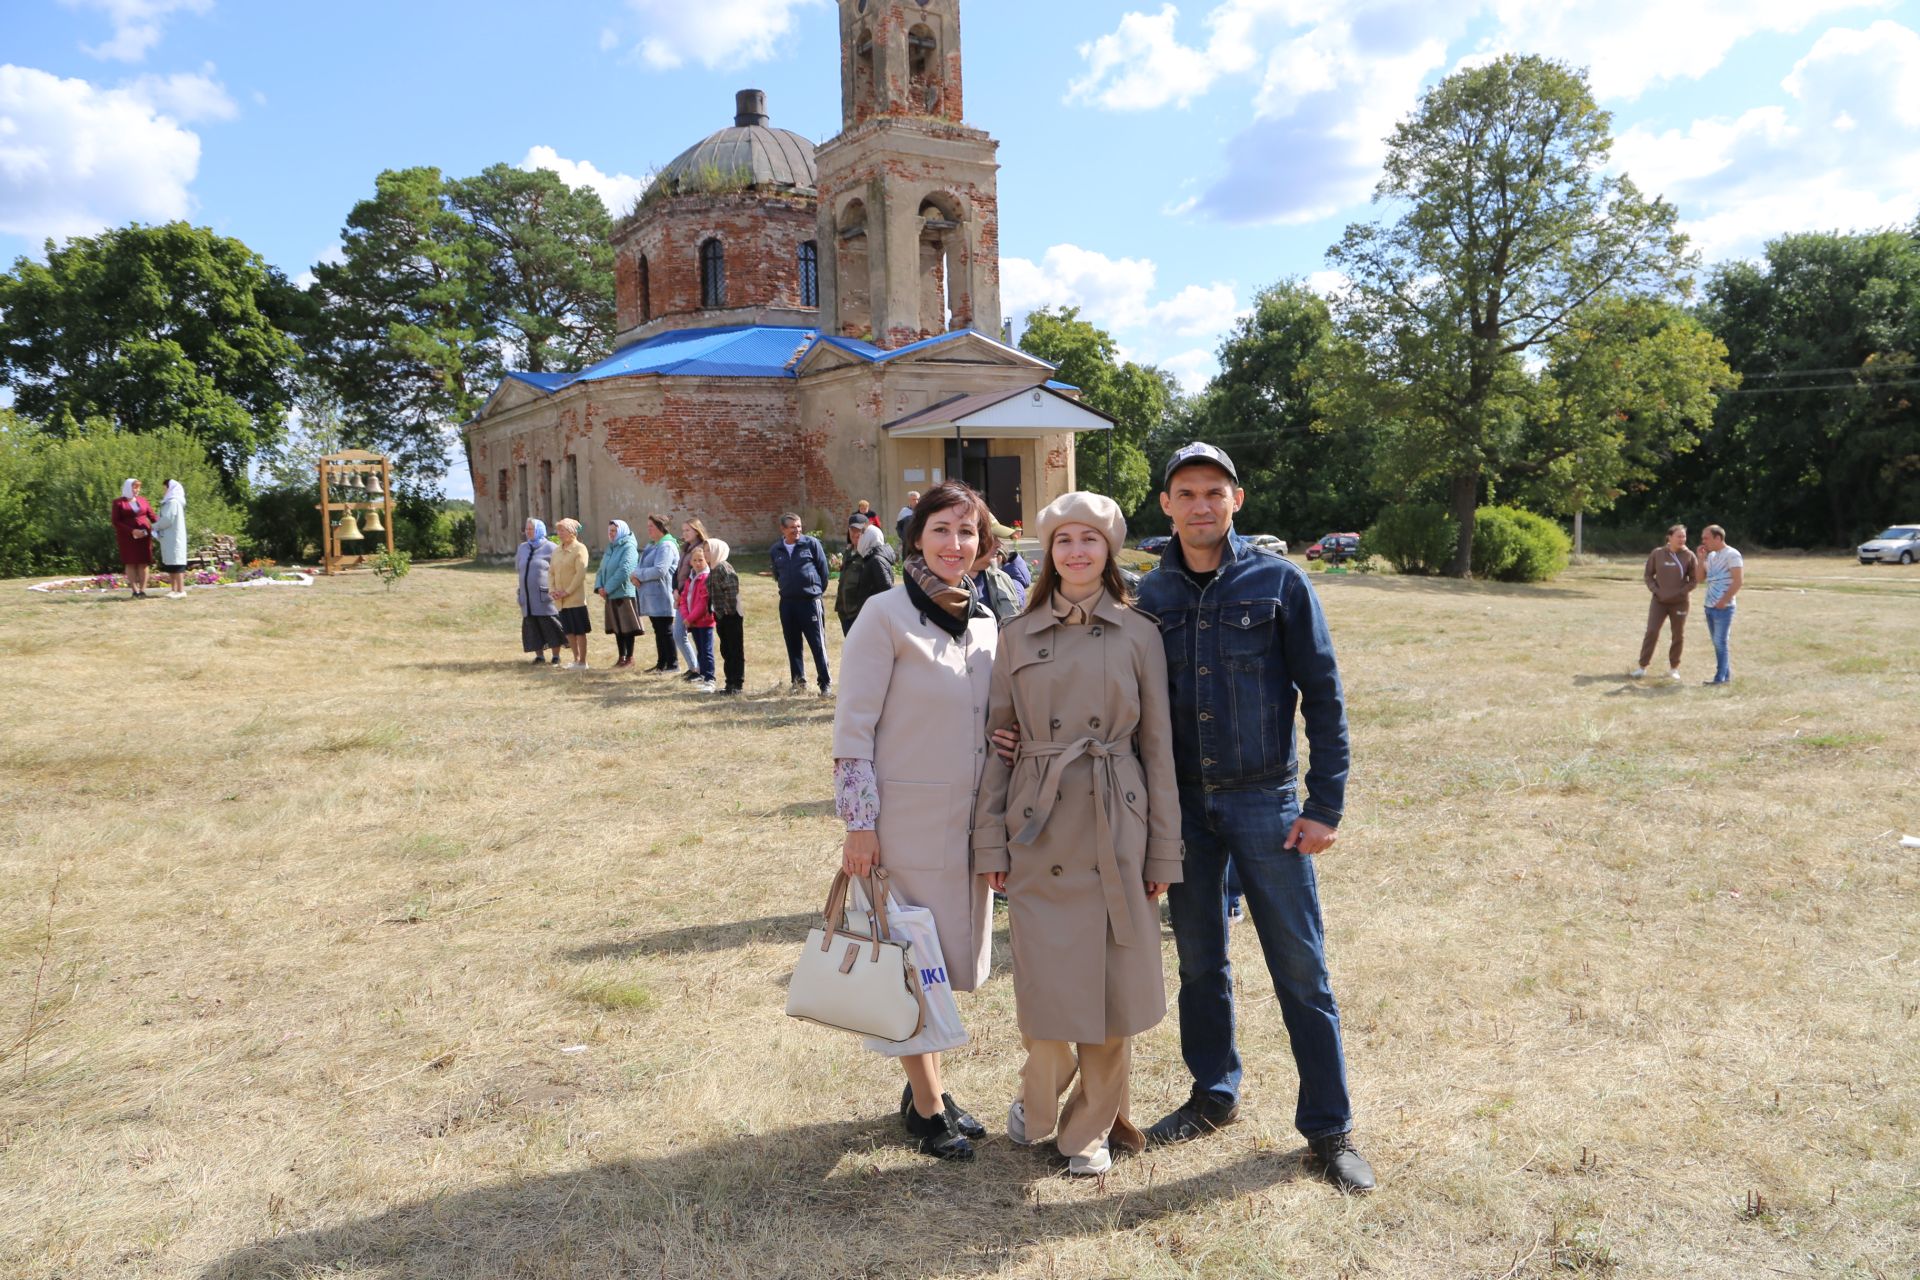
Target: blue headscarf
[{"x": 539, "y": 532}]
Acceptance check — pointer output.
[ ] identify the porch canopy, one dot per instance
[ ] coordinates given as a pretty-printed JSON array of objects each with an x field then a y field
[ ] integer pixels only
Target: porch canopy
[{"x": 1022, "y": 413}]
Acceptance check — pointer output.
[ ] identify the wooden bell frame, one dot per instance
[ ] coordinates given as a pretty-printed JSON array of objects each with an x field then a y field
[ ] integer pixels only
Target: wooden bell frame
[{"x": 335, "y": 470}]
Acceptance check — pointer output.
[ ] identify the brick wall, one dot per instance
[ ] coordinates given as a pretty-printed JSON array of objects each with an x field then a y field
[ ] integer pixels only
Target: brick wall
[{"x": 761, "y": 231}]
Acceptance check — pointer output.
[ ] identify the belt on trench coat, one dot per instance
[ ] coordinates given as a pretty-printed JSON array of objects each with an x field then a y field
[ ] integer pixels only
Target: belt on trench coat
[{"x": 1055, "y": 757}]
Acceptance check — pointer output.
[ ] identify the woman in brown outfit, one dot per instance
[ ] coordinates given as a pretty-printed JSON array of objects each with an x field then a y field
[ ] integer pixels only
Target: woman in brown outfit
[{"x": 1082, "y": 832}]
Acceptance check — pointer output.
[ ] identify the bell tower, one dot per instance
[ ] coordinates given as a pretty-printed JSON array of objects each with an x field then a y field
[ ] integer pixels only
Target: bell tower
[{"x": 909, "y": 207}]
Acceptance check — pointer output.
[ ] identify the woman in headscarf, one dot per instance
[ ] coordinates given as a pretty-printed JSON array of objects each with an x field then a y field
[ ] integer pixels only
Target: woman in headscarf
[
  {"x": 657, "y": 581},
  {"x": 170, "y": 528},
  {"x": 539, "y": 618},
  {"x": 723, "y": 596},
  {"x": 133, "y": 531},
  {"x": 614, "y": 585},
  {"x": 570, "y": 590},
  {"x": 909, "y": 745},
  {"x": 692, "y": 534}
]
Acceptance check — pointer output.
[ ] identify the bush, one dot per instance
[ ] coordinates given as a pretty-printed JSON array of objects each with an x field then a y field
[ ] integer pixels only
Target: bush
[
  {"x": 1511, "y": 545},
  {"x": 79, "y": 478},
  {"x": 1414, "y": 538},
  {"x": 283, "y": 523}
]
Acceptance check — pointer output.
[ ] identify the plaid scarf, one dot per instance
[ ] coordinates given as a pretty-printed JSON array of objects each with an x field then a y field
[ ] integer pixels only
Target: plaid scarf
[{"x": 949, "y": 607}]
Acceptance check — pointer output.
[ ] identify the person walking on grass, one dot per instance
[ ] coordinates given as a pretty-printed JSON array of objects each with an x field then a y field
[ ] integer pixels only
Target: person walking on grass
[
  {"x": 614, "y": 585},
  {"x": 539, "y": 614},
  {"x": 696, "y": 614},
  {"x": 692, "y": 534},
  {"x": 655, "y": 579},
  {"x": 723, "y": 597},
  {"x": 1671, "y": 574},
  {"x": 905, "y": 514},
  {"x": 170, "y": 531},
  {"x": 1081, "y": 832},
  {"x": 132, "y": 517},
  {"x": 800, "y": 571},
  {"x": 1245, "y": 643},
  {"x": 865, "y": 571},
  {"x": 1723, "y": 569},
  {"x": 909, "y": 747},
  {"x": 569, "y": 577}
]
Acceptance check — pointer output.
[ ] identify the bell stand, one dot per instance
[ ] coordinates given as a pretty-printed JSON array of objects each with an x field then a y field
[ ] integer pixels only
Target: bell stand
[{"x": 333, "y": 467}]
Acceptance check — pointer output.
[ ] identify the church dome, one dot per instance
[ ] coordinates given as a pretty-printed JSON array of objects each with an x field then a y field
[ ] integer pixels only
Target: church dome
[{"x": 751, "y": 155}]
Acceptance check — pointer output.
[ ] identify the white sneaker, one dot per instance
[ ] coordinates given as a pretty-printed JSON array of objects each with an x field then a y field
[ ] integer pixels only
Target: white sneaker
[
  {"x": 176, "y": 595},
  {"x": 706, "y": 686},
  {"x": 1091, "y": 1166},
  {"x": 1637, "y": 672},
  {"x": 1673, "y": 673},
  {"x": 1017, "y": 1123}
]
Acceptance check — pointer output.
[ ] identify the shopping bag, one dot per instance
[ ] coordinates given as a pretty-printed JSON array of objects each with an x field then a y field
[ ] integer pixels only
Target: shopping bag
[{"x": 942, "y": 1029}]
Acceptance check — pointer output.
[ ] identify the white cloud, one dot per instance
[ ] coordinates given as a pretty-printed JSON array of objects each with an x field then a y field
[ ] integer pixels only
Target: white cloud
[
  {"x": 617, "y": 191},
  {"x": 714, "y": 33},
  {"x": 75, "y": 157},
  {"x": 1194, "y": 369},
  {"x": 1843, "y": 154},
  {"x": 186, "y": 97},
  {"x": 136, "y": 24},
  {"x": 333, "y": 255},
  {"x": 1143, "y": 65}
]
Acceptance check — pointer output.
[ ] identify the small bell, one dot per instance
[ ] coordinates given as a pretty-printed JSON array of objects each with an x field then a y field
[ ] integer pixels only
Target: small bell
[
  {"x": 349, "y": 529},
  {"x": 373, "y": 525},
  {"x": 374, "y": 489}
]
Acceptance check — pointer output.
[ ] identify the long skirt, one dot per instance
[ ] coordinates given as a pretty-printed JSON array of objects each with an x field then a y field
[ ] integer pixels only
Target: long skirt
[
  {"x": 537, "y": 633},
  {"x": 622, "y": 618}
]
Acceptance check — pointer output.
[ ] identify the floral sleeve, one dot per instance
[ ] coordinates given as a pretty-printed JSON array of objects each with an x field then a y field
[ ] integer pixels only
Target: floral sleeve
[{"x": 856, "y": 794}]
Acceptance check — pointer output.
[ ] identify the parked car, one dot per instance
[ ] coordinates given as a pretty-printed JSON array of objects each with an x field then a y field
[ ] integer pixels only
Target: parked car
[
  {"x": 1335, "y": 547},
  {"x": 1267, "y": 542},
  {"x": 1898, "y": 545},
  {"x": 1155, "y": 545}
]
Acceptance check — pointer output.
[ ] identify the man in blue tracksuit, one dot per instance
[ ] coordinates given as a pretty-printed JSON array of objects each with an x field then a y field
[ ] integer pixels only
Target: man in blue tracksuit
[
  {"x": 800, "y": 570},
  {"x": 1245, "y": 640}
]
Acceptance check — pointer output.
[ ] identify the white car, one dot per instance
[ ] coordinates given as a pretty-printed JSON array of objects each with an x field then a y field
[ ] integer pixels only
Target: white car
[
  {"x": 1267, "y": 542},
  {"x": 1898, "y": 545}
]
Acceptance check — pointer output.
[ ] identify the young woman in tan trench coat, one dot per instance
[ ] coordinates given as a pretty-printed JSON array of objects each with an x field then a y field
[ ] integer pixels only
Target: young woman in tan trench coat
[
  {"x": 1082, "y": 831},
  {"x": 909, "y": 744}
]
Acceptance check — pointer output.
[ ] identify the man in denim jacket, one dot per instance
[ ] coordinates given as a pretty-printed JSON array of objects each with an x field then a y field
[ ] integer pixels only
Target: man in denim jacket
[
  {"x": 1244, "y": 638},
  {"x": 800, "y": 571}
]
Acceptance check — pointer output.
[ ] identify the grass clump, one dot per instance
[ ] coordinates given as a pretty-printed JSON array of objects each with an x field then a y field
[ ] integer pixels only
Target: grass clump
[{"x": 617, "y": 996}]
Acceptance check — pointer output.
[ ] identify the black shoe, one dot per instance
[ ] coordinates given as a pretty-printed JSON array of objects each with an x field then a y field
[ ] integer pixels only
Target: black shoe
[
  {"x": 539, "y": 661},
  {"x": 555, "y": 661},
  {"x": 1197, "y": 1117},
  {"x": 1337, "y": 1161},
  {"x": 691, "y": 676},
  {"x": 667, "y": 671},
  {"x": 939, "y": 1136},
  {"x": 962, "y": 1119}
]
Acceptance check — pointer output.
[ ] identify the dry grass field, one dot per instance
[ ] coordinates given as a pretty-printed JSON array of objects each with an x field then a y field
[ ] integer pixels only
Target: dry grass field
[{"x": 334, "y": 941}]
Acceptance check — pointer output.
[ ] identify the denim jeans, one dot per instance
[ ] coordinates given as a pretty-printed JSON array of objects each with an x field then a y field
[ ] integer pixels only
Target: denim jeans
[
  {"x": 1719, "y": 623},
  {"x": 688, "y": 657},
  {"x": 703, "y": 651},
  {"x": 1283, "y": 900}
]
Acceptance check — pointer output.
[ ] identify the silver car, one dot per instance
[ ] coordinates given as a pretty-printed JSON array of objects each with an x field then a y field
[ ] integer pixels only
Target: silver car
[
  {"x": 1267, "y": 542},
  {"x": 1898, "y": 545}
]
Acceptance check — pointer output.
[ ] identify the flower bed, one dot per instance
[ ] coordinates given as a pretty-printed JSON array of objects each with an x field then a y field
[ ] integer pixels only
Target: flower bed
[{"x": 228, "y": 573}]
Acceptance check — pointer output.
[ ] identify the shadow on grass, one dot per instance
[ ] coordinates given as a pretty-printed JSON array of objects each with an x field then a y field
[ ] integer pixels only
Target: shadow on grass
[
  {"x": 1645, "y": 687},
  {"x": 699, "y": 937},
  {"x": 805, "y": 809},
  {"x": 782, "y": 1203},
  {"x": 1394, "y": 582}
]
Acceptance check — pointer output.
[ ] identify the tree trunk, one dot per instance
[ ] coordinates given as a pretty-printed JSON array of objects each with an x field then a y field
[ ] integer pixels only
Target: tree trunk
[{"x": 1464, "y": 493}]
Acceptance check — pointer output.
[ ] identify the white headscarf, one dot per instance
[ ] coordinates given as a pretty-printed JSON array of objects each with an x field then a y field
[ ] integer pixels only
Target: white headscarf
[
  {"x": 174, "y": 490},
  {"x": 717, "y": 552},
  {"x": 870, "y": 537},
  {"x": 620, "y": 529},
  {"x": 126, "y": 488}
]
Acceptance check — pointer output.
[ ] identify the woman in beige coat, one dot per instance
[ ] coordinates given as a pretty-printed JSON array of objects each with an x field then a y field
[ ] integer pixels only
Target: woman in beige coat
[
  {"x": 909, "y": 743},
  {"x": 569, "y": 588},
  {"x": 1082, "y": 831}
]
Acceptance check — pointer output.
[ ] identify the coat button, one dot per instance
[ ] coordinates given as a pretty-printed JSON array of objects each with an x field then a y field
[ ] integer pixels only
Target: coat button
[
  {"x": 1093, "y": 722},
  {"x": 1204, "y": 626},
  {"x": 1043, "y": 653},
  {"x": 1054, "y": 723},
  {"x": 1205, "y": 672},
  {"x": 1027, "y": 814},
  {"x": 1056, "y": 871},
  {"x": 1129, "y": 797},
  {"x": 1096, "y": 631},
  {"x": 1244, "y": 620},
  {"x": 1206, "y": 715},
  {"x": 1207, "y": 764}
]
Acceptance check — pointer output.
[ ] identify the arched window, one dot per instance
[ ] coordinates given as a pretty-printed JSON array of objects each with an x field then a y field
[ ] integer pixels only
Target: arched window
[
  {"x": 809, "y": 273},
  {"x": 713, "y": 274},
  {"x": 646, "y": 291},
  {"x": 855, "y": 318},
  {"x": 863, "y": 75},
  {"x": 923, "y": 69}
]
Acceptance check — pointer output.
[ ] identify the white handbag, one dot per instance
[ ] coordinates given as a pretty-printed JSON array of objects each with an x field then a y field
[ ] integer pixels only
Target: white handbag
[{"x": 860, "y": 982}]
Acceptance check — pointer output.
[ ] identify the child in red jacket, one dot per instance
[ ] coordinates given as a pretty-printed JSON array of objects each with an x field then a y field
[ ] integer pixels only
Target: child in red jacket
[{"x": 698, "y": 613}]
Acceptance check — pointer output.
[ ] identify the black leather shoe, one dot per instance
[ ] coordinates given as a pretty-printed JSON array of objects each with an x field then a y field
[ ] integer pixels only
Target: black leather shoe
[
  {"x": 1337, "y": 1161},
  {"x": 963, "y": 1119},
  {"x": 938, "y": 1136},
  {"x": 1197, "y": 1117}
]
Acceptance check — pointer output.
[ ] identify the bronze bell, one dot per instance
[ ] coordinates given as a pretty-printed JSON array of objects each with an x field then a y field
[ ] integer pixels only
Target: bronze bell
[
  {"x": 373, "y": 525},
  {"x": 349, "y": 528},
  {"x": 374, "y": 489}
]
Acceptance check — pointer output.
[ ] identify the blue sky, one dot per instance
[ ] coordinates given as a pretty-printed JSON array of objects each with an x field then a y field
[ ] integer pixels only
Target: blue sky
[{"x": 1160, "y": 163}]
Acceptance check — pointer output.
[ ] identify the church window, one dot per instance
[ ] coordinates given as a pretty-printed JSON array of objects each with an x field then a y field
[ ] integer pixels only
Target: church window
[
  {"x": 809, "y": 273},
  {"x": 506, "y": 494},
  {"x": 646, "y": 291},
  {"x": 943, "y": 304},
  {"x": 923, "y": 69},
  {"x": 852, "y": 286},
  {"x": 863, "y": 75},
  {"x": 713, "y": 274},
  {"x": 546, "y": 491},
  {"x": 573, "y": 489}
]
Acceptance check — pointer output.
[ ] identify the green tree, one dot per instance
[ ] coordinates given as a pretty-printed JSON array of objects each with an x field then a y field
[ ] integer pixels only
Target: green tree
[
  {"x": 78, "y": 478},
  {"x": 1631, "y": 384},
  {"x": 1305, "y": 474},
  {"x": 1512, "y": 228},
  {"x": 151, "y": 329},
  {"x": 1139, "y": 398},
  {"x": 22, "y": 543}
]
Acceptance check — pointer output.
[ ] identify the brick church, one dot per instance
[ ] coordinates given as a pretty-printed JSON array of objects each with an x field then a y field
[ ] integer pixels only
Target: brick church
[{"x": 799, "y": 328}]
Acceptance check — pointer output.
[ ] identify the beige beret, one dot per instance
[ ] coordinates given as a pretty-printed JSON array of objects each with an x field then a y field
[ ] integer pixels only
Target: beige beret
[{"x": 1091, "y": 509}]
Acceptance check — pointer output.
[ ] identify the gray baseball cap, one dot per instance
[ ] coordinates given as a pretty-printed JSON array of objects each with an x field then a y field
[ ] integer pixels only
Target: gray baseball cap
[{"x": 1188, "y": 454}]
